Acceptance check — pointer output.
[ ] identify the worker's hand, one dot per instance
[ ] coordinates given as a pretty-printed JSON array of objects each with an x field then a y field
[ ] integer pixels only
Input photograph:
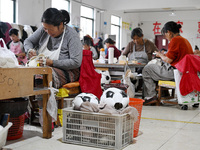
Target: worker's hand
[
  {"x": 158, "y": 54},
  {"x": 49, "y": 62},
  {"x": 21, "y": 55},
  {"x": 44, "y": 61},
  {"x": 32, "y": 53},
  {"x": 197, "y": 52}
]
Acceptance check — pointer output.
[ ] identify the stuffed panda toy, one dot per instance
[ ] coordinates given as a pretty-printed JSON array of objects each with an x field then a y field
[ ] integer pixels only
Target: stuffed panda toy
[
  {"x": 116, "y": 98},
  {"x": 83, "y": 97}
]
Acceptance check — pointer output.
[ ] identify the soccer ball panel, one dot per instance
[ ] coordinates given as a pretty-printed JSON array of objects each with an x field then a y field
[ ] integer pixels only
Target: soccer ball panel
[{"x": 83, "y": 97}]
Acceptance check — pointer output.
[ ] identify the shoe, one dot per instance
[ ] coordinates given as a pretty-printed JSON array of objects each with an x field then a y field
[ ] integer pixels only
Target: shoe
[
  {"x": 152, "y": 100},
  {"x": 195, "y": 105}
]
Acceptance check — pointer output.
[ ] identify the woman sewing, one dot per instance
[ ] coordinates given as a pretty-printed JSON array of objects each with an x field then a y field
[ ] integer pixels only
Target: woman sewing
[
  {"x": 139, "y": 49},
  {"x": 59, "y": 43},
  {"x": 177, "y": 49}
]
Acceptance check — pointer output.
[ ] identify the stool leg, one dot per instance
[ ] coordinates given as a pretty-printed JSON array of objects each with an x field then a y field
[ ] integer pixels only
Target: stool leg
[
  {"x": 159, "y": 95},
  {"x": 60, "y": 106},
  {"x": 173, "y": 93}
]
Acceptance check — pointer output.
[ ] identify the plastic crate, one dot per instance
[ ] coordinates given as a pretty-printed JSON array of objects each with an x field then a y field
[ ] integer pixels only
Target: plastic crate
[
  {"x": 97, "y": 129},
  {"x": 3, "y": 134}
]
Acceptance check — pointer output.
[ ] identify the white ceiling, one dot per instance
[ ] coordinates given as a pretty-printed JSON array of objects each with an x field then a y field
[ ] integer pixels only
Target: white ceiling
[{"x": 138, "y": 6}]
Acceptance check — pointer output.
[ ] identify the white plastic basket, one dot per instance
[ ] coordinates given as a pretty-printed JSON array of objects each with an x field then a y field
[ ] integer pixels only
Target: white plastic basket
[
  {"x": 3, "y": 134},
  {"x": 97, "y": 129}
]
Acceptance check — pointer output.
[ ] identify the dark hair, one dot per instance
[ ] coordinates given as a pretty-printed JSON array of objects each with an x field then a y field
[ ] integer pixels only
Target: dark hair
[
  {"x": 171, "y": 26},
  {"x": 91, "y": 39},
  {"x": 54, "y": 17},
  {"x": 86, "y": 41},
  {"x": 163, "y": 49},
  {"x": 109, "y": 40},
  {"x": 136, "y": 31},
  {"x": 196, "y": 47},
  {"x": 13, "y": 31}
]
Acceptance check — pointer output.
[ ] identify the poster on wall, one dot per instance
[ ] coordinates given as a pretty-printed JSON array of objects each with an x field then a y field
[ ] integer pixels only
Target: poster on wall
[
  {"x": 156, "y": 28},
  {"x": 126, "y": 26}
]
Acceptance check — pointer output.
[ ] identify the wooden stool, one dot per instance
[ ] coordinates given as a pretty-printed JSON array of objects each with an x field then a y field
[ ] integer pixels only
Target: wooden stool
[{"x": 166, "y": 85}]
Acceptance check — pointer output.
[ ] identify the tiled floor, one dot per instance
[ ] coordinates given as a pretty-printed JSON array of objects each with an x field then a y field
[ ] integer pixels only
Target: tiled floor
[{"x": 162, "y": 128}]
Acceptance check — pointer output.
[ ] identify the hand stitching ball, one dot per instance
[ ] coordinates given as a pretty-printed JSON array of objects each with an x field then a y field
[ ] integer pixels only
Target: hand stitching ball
[
  {"x": 115, "y": 98},
  {"x": 83, "y": 97}
]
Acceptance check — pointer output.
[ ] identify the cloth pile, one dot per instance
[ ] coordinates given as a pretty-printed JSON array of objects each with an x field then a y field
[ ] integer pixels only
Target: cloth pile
[{"x": 106, "y": 109}]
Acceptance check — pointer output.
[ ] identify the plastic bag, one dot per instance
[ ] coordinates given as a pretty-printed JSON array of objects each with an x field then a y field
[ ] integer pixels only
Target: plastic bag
[
  {"x": 7, "y": 57},
  {"x": 131, "y": 86},
  {"x": 51, "y": 104},
  {"x": 190, "y": 98}
]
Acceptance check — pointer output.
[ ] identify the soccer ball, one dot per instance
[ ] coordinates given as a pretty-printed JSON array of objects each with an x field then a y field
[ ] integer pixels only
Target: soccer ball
[
  {"x": 105, "y": 76},
  {"x": 83, "y": 97},
  {"x": 115, "y": 98}
]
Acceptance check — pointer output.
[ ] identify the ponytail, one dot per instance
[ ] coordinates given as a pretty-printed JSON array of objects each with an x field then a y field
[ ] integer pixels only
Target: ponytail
[{"x": 66, "y": 17}]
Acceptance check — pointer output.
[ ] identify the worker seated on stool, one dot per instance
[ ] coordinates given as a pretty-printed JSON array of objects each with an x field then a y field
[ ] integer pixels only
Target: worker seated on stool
[
  {"x": 177, "y": 49},
  {"x": 60, "y": 44},
  {"x": 139, "y": 49}
]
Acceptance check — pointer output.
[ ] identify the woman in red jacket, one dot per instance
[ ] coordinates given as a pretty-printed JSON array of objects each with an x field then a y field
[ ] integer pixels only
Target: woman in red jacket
[
  {"x": 177, "y": 49},
  {"x": 111, "y": 43}
]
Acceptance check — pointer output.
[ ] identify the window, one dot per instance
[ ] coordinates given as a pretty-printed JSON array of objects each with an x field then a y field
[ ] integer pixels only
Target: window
[
  {"x": 60, "y": 4},
  {"x": 7, "y": 11},
  {"x": 87, "y": 21},
  {"x": 115, "y": 29}
]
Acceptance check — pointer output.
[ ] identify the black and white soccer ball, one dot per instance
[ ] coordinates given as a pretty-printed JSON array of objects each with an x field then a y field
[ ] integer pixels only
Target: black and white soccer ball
[
  {"x": 105, "y": 76},
  {"x": 84, "y": 97},
  {"x": 115, "y": 98}
]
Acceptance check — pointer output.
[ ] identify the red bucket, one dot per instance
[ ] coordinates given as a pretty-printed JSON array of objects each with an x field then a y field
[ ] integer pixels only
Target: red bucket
[
  {"x": 16, "y": 130},
  {"x": 137, "y": 103}
]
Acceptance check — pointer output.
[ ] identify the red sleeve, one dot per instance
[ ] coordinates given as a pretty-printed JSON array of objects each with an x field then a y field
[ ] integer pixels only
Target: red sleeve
[
  {"x": 178, "y": 48},
  {"x": 173, "y": 49}
]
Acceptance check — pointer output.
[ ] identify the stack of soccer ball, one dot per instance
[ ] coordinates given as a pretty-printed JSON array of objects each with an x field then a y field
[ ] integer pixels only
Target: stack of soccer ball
[{"x": 114, "y": 97}]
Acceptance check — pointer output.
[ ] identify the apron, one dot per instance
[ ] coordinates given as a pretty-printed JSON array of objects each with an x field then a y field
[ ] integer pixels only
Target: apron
[
  {"x": 53, "y": 55},
  {"x": 16, "y": 49},
  {"x": 140, "y": 56}
]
